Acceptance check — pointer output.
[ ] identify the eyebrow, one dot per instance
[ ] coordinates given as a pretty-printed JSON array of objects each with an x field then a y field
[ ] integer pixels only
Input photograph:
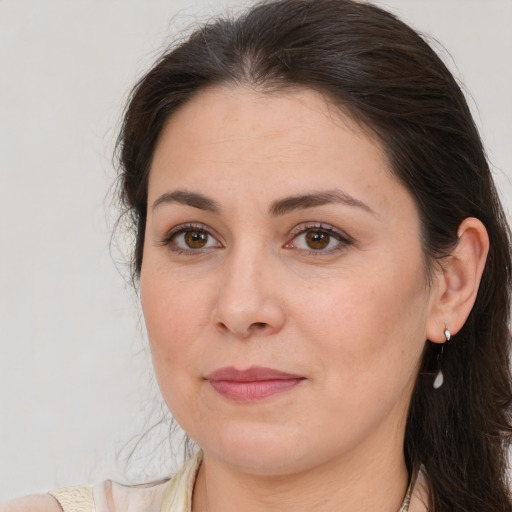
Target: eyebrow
[
  {"x": 278, "y": 208},
  {"x": 292, "y": 203},
  {"x": 189, "y": 199}
]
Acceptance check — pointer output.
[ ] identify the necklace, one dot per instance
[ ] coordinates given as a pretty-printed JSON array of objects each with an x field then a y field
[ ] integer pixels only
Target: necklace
[{"x": 404, "y": 507}]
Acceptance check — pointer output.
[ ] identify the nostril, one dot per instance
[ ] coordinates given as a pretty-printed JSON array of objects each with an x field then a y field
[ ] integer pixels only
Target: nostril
[
  {"x": 223, "y": 326},
  {"x": 258, "y": 326}
]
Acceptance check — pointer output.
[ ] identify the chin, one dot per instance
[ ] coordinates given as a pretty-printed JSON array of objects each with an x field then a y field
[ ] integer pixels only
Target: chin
[{"x": 259, "y": 451}]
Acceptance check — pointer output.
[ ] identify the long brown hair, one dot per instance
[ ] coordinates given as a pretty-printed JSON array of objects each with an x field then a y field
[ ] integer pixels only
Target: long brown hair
[{"x": 388, "y": 78}]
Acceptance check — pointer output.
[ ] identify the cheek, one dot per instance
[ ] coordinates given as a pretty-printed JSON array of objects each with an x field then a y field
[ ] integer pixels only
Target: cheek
[
  {"x": 173, "y": 308},
  {"x": 369, "y": 331},
  {"x": 175, "y": 314}
]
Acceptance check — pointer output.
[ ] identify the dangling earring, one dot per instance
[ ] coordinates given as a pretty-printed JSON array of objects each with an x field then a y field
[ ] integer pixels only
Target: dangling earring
[{"x": 438, "y": 381}]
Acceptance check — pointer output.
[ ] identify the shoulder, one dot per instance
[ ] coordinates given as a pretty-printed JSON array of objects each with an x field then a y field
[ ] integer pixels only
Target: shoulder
[
  {"x": 35, "y": 503},
  {"x": 106, "y": 496},
  {"x": 109, "y": 496}
]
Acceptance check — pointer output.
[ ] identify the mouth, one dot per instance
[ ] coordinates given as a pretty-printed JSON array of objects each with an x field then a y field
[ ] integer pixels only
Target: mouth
[{"x": 252, "y": 384}]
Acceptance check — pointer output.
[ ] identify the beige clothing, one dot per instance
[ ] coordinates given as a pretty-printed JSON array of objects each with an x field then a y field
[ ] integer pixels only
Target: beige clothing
[{"x": 173, "y": 495}]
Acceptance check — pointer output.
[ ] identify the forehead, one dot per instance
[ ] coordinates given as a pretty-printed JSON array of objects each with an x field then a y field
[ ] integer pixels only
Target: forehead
[
  {"x": 287, "y": 141},
  {"x": 243, "y": 111}
]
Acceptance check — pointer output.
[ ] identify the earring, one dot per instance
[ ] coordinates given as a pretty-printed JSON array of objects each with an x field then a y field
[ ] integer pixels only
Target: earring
[{"x": 438, "y": 381}]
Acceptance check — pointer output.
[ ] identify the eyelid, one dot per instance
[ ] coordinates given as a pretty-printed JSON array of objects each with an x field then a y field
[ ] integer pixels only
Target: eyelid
[
  {"x": 321, "y": 226},
  {"x": 183, "y": 227}
]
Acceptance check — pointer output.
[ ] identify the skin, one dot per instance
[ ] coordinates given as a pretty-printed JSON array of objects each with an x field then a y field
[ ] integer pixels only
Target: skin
[
  {"x": 35, "y": 503},
  {"x": 351, "y": 319},
  {"x": 331, "y": 288}
]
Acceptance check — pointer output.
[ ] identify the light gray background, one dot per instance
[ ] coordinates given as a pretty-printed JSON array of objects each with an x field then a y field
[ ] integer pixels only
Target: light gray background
[{"x": 75, "y": 381}]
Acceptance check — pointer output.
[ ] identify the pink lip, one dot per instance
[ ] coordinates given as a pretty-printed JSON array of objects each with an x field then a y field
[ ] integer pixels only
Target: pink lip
[{"x": 254, "y": 383}]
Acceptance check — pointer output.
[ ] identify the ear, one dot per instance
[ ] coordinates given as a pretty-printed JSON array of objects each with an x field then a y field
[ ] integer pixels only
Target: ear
[{"x": 457, "y": 281}]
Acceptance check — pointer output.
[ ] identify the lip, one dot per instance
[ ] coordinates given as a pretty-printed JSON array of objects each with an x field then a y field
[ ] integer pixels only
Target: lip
[{"x": 252, "y": 384}]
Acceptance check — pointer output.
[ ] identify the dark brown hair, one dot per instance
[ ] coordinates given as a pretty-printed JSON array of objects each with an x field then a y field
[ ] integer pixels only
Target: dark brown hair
[{"x": 387, "y": 78}]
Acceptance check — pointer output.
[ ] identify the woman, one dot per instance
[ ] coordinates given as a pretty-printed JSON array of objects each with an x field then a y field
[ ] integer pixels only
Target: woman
[{"x": 324, "y": 270}]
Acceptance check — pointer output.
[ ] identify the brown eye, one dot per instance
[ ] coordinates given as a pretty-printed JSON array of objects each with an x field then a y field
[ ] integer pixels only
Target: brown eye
[
  {"x": 195, "y": 239},
  {"x": 317, "y": 240},
  {"x": 190, "y": 238}
]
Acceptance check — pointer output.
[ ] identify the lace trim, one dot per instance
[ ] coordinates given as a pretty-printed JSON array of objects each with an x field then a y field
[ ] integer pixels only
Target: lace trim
[{"x": 75, "y": 499}]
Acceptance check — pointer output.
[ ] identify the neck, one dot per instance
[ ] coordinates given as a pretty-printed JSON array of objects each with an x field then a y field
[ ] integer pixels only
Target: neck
[{"x": 372, "y": 483}]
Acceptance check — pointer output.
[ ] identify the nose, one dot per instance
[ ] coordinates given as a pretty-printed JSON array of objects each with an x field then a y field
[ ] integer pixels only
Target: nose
[{"x": 248, "y": 302}]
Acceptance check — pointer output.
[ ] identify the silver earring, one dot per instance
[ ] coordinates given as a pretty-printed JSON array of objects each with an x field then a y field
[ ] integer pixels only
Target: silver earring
[{"x": 438, "y": 381}]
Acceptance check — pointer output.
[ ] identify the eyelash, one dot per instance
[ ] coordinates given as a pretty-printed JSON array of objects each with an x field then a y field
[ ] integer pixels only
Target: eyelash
[
  {"x": 343, "y": 240},
  {"x": 181, "y": 230}
]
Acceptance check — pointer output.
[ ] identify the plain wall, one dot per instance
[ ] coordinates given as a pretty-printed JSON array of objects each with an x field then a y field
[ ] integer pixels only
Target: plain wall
[{"x": 75, "y": 377}]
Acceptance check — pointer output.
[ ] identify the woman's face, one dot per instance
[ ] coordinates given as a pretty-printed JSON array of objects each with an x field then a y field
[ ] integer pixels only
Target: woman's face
[{"x": 283, "y": 283}]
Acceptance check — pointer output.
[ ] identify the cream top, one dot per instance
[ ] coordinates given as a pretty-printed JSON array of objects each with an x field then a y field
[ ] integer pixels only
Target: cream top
[{"x": 173, "y": 495}]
